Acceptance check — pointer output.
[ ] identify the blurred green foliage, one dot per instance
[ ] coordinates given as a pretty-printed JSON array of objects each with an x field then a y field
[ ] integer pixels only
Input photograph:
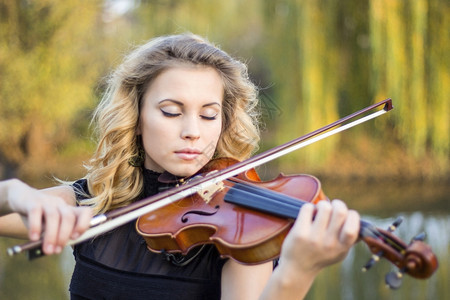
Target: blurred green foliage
[{"x": 315, "y": 61}]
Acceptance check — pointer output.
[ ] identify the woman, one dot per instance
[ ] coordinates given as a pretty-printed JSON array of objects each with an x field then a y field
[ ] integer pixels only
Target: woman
[{"x": 173, "y": 104}]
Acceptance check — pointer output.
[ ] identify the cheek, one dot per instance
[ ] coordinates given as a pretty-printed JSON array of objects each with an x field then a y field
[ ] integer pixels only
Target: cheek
[
  {"x": 218, "y": 133},
  {"x": 214, "y": 134},
  {"x": 152, "y": 135},
  {"x": 156, "y": 135}
]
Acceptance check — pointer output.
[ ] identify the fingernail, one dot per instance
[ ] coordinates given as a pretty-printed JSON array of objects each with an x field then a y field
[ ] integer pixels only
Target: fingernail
[
  {"x": 34, "y": 236},
  {"x": 49, "y": 249},
  {"x": 75, "y": 235},
  {"x": 58, "y": 249}
]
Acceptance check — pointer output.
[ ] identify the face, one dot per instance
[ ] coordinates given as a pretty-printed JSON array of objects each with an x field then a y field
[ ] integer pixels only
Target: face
[{"x": 181, "y": 119}]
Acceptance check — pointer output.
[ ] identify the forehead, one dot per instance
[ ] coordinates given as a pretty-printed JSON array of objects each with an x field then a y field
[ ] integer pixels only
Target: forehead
[{"x": 187, "y": 78}]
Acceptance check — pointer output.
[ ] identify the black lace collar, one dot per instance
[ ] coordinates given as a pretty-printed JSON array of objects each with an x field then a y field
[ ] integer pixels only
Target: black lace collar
[
  {"x": 155, "y": 182},
  {"x": 151, "y": 183}
]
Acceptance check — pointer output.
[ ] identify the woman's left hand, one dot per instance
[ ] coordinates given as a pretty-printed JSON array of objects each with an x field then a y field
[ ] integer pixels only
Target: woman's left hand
[{"x": 321, "y": 236}]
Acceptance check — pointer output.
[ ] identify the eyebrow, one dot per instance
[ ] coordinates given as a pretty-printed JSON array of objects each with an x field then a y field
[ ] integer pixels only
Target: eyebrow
[{"x": 182, "y": 104}]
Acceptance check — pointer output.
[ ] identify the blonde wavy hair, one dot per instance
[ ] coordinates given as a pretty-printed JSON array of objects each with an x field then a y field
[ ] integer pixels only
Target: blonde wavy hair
[{"x": 112, "y": 181}]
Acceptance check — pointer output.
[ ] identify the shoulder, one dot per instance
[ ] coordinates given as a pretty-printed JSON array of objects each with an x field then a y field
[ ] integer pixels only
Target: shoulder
[{"x": 81, "y": 189}]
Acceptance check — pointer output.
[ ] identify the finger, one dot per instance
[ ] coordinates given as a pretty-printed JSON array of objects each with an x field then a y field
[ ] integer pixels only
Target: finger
[
  {"x": 52, "y": 222},
  {"x": 304, "y": 218},
  {"x": 68, "y": 220},
  {"x": 35, "y": 223},
  {"x": 84, "y": 216},
  {"x": 323, "y": 216},
  {"x": 338, "y": 216},
  {"x": 350, "y": 230}
]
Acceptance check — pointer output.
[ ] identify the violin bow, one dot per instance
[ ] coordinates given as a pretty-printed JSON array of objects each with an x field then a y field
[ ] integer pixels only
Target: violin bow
[{"x": 105, "y": 222}]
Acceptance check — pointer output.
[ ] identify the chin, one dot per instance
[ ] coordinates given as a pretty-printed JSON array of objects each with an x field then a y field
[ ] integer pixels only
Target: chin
[{"x": 186, "y": 171}]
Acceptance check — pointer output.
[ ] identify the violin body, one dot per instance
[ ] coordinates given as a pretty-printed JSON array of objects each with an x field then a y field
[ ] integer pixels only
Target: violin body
[
  {"x": 247, "y": 220},
  {"x": 246, "y": 235}
]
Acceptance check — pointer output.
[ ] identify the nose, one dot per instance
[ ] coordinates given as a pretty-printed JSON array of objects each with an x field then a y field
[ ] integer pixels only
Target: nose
[{"x": 191, "y": 128}]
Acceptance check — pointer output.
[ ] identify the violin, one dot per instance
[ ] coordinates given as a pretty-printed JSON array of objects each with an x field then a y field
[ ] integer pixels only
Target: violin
[{"x": 246, "y": 219}]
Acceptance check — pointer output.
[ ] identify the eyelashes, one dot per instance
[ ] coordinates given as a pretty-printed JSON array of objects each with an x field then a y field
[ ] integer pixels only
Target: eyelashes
[
  {"x": 173, "y": 115},
  {"x": 209, "y": 118},
  {"x": 170, "y": 115}
]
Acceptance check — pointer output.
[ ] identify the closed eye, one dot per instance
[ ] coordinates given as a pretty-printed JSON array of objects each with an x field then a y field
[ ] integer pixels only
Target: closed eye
[
  {"x": 210, "y": 112},
  {"x": 209, "y": 118},
  {"x": 170, "y": 115}
]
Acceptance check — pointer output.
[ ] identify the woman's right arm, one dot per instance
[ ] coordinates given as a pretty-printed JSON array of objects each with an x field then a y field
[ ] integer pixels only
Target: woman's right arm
[{"x": 28, "y": 212}]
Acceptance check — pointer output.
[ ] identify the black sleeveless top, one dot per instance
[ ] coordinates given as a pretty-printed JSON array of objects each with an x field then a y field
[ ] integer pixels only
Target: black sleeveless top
[{"x": 118, "y": 265}]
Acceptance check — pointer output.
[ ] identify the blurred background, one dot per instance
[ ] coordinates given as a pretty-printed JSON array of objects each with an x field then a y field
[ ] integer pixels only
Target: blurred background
[{"x": 314, "y": 61}]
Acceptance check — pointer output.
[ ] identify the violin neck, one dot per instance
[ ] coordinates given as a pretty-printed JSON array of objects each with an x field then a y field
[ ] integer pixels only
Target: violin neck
[{"x": 275, "y": 203}]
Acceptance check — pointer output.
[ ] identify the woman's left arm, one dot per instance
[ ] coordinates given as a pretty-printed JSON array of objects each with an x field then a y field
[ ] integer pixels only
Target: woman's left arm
[{"x": 244, "y": 282}]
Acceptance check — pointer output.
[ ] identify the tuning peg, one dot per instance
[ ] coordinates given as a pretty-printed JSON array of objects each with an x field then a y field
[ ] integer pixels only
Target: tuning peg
[
  {"x": 394, "y": 279},
  {"x": 395, "y": 224},
  {"x": 420, "y": 237},
  {"x": 372, "y": 261}
]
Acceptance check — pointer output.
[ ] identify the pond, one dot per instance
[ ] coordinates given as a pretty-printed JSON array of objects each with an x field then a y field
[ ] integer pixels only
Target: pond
[{"x": 424, "y": 208}]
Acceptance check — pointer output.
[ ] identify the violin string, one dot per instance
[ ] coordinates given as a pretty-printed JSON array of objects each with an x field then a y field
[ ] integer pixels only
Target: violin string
[{"x": 282, "y": 199}]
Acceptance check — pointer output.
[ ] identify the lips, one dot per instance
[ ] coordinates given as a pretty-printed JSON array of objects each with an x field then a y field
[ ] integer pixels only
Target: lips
[{"x": 188, "y": 153}]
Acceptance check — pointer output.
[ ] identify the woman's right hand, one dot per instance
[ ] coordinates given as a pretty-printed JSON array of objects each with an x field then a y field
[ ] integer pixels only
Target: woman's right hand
[{"x": 51, "y": 213}]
